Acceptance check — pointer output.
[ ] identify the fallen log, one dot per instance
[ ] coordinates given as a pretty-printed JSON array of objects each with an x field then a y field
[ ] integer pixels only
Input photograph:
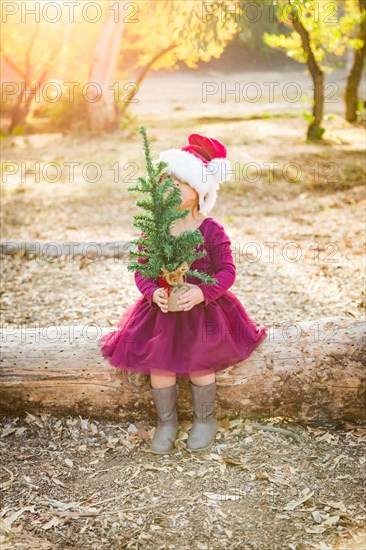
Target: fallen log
[
  {"x": 49, "y": 249},
  {"x": 311, "y": 372}
]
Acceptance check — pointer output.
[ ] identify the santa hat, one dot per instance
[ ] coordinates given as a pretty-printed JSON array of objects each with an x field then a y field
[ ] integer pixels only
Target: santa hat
[{"x": 202, "y": 164}]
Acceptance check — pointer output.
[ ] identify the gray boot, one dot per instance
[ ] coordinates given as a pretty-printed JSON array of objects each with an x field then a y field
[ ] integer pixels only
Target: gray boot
[
  {"x": 167, "y": 426},
  {"x": 205, "y": 424}
]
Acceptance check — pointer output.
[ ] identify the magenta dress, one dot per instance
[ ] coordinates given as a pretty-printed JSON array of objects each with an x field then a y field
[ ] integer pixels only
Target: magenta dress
[{"x": 212, "y": 336}]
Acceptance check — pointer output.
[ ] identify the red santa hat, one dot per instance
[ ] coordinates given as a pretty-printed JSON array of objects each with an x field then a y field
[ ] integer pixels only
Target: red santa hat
[{"x": 202, "y": 164}]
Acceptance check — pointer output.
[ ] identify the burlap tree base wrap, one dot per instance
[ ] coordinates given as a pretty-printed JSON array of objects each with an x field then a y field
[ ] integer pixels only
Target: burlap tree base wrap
[{"x": 177, "y": 285}]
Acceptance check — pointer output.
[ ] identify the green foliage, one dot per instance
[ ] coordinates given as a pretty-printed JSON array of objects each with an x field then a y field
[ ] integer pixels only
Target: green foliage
[
  {"x": 127, "y": 120},
  {"x": 251, "y": 33},
  {"x": 65, "y": 113},
  {"x": 158, "y": 247},
  {"x": 332, "y": 27},
  {"x": 184, "y": 25},
  {"x": 309, "y": 117},
  {"x": 291, "y": 45},
  {"x": 18, "y": 131},
  {"x": 315, "y": 133},
  {"x": 360, "y": 106}
]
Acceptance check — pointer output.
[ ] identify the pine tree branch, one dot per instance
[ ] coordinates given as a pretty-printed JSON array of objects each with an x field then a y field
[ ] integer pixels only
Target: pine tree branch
[{"x": 157, "y": 247}]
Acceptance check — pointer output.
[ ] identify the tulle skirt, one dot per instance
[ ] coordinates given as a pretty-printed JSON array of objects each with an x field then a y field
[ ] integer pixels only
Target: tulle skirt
[{"x": 205, "y": 339}]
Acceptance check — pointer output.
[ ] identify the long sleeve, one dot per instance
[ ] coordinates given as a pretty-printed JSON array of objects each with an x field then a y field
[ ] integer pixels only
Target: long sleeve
[
  {"x": 219, "y": 247},
  {"x": 146, "y": 286}
]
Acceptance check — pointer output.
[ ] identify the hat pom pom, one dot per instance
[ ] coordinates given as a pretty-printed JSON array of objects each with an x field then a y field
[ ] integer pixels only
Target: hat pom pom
[{"x": 220, "y": 169}]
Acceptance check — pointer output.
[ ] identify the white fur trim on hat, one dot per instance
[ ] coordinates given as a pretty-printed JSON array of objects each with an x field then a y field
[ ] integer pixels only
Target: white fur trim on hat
[
  {"x": 220, "y": 168},
  {"x": 204, "y": 178}
]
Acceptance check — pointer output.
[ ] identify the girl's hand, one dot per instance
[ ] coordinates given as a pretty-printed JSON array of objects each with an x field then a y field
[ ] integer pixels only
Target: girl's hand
[
  {"x": 161, "y": 299},
  {"x": 192, "y": 297}
]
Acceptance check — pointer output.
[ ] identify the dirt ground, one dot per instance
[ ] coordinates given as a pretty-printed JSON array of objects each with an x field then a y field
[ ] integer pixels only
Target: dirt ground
[
  {"x": 70, "y": 483},
  {"x": 79, "y": 482}
]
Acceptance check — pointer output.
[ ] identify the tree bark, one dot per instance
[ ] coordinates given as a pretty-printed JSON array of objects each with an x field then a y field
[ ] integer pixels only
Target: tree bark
[
  {"x": 315, "y": 131},
  {"x": 20, "y": 111},
  {"x": 312, "y": 372},
  {"x": 47, "y": 249},
  {"x": 354, "y": 77},
  {"x": 103, "y": 113}
]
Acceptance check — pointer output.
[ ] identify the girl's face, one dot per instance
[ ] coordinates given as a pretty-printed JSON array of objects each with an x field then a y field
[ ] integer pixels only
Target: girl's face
[{"x": 188, "y": 194}]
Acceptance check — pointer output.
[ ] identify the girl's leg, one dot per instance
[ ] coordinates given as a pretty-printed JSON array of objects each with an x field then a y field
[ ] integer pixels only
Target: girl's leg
[
  {"x": 203, "y": 380},
  {"x": 161, "y": 380}
]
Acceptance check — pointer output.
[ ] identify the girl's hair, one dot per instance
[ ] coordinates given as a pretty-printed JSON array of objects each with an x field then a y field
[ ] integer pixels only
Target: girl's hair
[{"x": 194, "y": 204}]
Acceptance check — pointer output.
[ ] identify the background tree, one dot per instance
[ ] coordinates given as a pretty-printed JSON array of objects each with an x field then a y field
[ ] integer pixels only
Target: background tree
[
  {"x": 355, "y": 18},
  {"x": 187, "y": 33},
  {"x": 304, "y": 45},
  {"x": 322, "y": 32},
  {"x": 43, "y": 52},
  {"x": 26, "y": 57},
  {"x": 109, "y": 50},
  {"x": 103, "y": 112},
  {"x": 255, "y": 20}
]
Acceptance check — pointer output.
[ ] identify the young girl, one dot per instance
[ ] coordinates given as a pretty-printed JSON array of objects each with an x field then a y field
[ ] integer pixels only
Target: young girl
[{"x": 211, "y": 332}]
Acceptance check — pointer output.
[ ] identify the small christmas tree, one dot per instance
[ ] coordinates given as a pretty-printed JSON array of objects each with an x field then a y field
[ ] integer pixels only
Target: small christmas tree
[{"x": 169, "y": 257}]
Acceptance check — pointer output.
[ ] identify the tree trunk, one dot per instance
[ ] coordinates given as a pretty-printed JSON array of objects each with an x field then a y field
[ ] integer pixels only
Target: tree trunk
[
  {"x": 45, "y": 249},
  {"x": 315, "y": 131},
  {"x": 312, "y": 372},
  {"x": 144, "y": 73},
  {"x": 103, "y": 113},
  {"x": 19, "y": 113},
  {"x": 354, "y": 77}
]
